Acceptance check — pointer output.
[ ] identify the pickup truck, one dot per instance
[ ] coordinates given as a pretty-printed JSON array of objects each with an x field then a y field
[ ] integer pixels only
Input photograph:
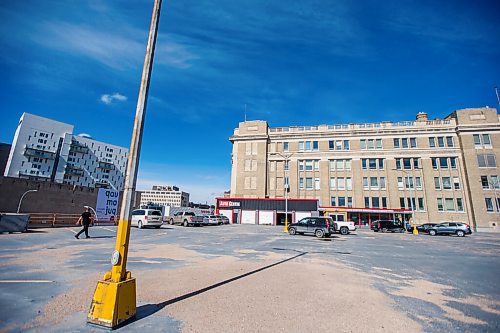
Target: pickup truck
[
  {"x": 186, "y": 219},
  {"x": 343, "y": 227}
]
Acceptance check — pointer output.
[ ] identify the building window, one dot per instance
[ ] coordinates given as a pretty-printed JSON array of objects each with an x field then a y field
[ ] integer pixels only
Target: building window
[
  {"x": 486, "y": 161},
  {"x": 449, "y": 141},
  {"x": 440, "y": 204},
  {"x": 421, "y": 206},
  {"x": 482, "y": 140},
  {"x": 309, "y": 183},
  {"x": 285, "y": 146},
  {"x": 367, "y": 202},
  {"x": 396, "y": 142},
  {"x": 341, "y": 201},
  {"x": 450, "y": 204},
  {"x": 372, "y": 163},
  {"x": 375, "y": 202},
  {"x": 340, "y": 165},
  {"x": 370, "y": 144},
  {"x": 446, "y": 183},
  {"x": 456, "y": 183},
  {"x": 349, "y": 201},
  {"x": 432, "y": 142},
  {"x": 489, "y": 204},
  {"x": 402, "y": 202},
  {"x": 384, "y": 202},
  {"x": 437, "y": 183},
  {"x": 334, "y": 201},
  {"x": 460, "y": 205},
  {"x": 405, "y": 143}
]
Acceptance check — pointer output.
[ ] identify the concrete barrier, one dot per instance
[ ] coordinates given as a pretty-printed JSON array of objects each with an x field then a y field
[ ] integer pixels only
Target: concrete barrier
[{"x": 14, "y": 222}]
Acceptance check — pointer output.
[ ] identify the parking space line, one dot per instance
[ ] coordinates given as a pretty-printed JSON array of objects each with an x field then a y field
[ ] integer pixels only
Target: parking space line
[{"x": 108, "y": 229}]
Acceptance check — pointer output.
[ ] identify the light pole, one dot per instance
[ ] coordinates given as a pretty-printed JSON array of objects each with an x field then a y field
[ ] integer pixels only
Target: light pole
[
  {"x": 114, "y": 300},
  {"x": 22, "y": 197},
  {"x": 286, "y": 185}
]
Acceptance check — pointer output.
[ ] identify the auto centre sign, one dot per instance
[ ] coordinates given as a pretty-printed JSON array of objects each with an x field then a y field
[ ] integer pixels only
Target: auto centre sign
[
  {"x": 227, "y": 204},
  {"x": 107, "y": 204}
]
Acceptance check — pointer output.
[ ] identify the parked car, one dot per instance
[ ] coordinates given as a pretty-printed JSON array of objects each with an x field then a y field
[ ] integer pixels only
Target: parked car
[
  {"x": 424, "y": 228},
  {"x": 142, "y": 218},
  {"x": 344, "y": 227},
  {"x": 318, "y": 226},
  {"x": 450, "y": 228},
  {"x": 211, "y": 220},
  {"x": 224, "y": 219},
  {"x": 186, "y": 219},
  {"x": 388, "y": 225}
]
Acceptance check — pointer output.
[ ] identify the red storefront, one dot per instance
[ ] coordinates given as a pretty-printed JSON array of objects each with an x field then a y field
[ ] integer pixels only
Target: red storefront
[{"x": 363, "y": 217}]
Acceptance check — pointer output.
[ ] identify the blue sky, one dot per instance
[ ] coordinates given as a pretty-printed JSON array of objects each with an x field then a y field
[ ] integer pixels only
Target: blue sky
[{"x": 292, "y": 62}]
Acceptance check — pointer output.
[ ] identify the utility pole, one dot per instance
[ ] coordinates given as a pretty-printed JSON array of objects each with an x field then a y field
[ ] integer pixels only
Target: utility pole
[{"x": 114, "y": 300}]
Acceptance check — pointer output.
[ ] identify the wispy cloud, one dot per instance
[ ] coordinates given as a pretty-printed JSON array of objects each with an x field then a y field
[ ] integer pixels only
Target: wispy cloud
[{"x": 108, "y": 99}]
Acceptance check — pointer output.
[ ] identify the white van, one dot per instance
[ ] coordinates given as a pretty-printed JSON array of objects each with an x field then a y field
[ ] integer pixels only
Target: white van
[{"x": 142, "y": 218}]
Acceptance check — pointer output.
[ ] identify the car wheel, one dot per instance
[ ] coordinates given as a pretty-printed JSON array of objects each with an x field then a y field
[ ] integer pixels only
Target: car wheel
[
  {"x": 171, "y": 221},
  {"x": 344, "y": 231},
  {"x": 292, "y": 231},
  {"x": 432, "y": 232},
  {"x": 158, "y": 227},
  {"x": 460, "y": 233},
  {"x": 186, "y": 223},
  {"x": 319, "y": 233},
  {"x": 384, "y": 229},
  {"x": 139, "y": 224}
]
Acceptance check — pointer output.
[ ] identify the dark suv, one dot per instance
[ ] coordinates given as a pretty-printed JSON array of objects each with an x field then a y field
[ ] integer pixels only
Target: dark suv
[
  {"x": 318, "y": 226},
  {"x": 388, "y": 225},
  {"x": 450, "y": 228}
]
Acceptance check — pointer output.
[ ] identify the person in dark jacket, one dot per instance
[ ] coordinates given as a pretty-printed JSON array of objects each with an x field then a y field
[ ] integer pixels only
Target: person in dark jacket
[{"x": 84, "y": 220}]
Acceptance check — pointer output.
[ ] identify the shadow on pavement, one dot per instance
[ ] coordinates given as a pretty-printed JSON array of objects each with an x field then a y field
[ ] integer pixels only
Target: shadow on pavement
[{"x": 146, "y": 310}]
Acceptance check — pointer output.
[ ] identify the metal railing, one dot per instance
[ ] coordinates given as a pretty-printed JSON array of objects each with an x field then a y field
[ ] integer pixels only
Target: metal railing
[{"x": 51, "y": 220}]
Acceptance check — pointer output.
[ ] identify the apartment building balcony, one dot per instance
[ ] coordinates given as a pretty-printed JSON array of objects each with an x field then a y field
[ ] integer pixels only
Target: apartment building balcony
[
  {"x": 102, "y": 183},
  {"x": 33, "y": 176},
  {"x": 78, "y": 147},
  {"x": 106, "y": 165},
  {"x": 38, "y": 152},
  {"x": 72, "y": 170}
]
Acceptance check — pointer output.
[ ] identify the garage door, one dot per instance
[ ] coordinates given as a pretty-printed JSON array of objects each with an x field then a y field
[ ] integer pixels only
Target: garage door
[
  {"x": 248, "y": 217},
  {"x": 228, "y": 214},
  {"x": 300, "y": 215},
  {"x": 266, "y": 217}
]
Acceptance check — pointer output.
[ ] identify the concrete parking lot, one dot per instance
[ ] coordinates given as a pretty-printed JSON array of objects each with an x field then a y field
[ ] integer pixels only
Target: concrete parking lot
[{"x": 246, "y": 278}]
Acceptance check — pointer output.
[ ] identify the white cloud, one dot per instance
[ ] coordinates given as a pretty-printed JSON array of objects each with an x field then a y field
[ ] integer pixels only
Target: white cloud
[{"x": 108, "y": 99}]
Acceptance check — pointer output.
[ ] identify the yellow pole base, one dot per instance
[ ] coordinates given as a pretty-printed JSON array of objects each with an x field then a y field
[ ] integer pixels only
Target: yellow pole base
[
  {"x": 286, "y": 226},
  {"x": 415, "y": 230},
  {"x": 113, "y": 304}
]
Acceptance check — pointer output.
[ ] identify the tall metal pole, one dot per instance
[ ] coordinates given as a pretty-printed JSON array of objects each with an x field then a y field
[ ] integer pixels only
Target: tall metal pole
[
  {"x": 122, "y": 239},
  {"x": 114, "y": 300}
]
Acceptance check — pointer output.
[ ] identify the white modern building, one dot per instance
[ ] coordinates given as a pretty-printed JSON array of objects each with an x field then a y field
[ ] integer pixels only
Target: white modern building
[
  {"x": 45, "y": 149},
  {"x": 165, "y": 196}
]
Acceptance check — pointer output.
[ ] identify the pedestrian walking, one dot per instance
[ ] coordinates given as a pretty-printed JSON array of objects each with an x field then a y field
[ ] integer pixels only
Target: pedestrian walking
[{"x": 85, "y": 221}]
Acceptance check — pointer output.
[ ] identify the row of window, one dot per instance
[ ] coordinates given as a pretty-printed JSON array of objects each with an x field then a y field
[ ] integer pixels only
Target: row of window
[
  {"x": 489, "y": 204},
  {"x": 446, "y": 183},
  {"x": 398, "y": 143},
  {"x": 490, "y": 182},
  {"x": 450, "y": 204}
]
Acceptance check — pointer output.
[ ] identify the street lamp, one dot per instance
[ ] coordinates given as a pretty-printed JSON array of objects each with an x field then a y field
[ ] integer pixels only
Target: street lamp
[
  {"x": 22, "y": 197},
  {"x": 286, "y": 185}
]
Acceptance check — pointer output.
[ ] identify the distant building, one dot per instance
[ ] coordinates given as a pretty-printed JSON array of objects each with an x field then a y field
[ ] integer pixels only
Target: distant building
[
  {"x": 4, "y": 156},
  {"x": 45, "y": 149},
  {"x": 165, "y": 196},
  {"x": 441, "y": 169}
]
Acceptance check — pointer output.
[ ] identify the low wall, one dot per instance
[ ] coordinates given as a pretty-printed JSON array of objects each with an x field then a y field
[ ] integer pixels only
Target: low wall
[{"x": 49, "y": 198}]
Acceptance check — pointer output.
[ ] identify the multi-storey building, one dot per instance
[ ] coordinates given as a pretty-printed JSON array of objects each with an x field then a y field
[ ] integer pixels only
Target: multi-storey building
[
  {"x": 45, "y": 149},
  {"x": 165, "y": 196},
  {"x": 441, "y": 170}
]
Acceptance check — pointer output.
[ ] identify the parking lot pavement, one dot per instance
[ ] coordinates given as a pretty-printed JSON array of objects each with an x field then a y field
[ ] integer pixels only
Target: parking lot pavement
[{"x": 249, "y": 278}]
